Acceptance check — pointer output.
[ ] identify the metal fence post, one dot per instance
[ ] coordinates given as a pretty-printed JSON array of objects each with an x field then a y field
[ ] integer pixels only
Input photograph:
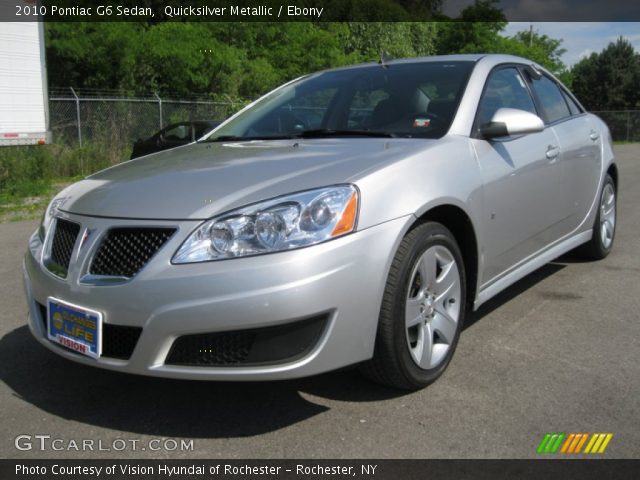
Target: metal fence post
[
  {"x": 159, "y": 108},
  {"x": 79, "y": 129},
  {"x": 233, "y": 110},
  {"x": 77, "y": 115}
]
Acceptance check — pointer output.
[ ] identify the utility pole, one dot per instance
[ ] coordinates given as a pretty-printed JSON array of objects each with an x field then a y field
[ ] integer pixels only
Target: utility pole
[{"x": 530, "y": 35}]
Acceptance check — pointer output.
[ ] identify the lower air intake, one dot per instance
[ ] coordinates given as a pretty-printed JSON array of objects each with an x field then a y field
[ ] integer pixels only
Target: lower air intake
[{"x": 259, "y": 346}]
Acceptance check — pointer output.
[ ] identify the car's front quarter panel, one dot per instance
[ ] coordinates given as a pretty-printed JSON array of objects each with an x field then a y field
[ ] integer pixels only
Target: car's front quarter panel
[{"x": 443, "y": 173}]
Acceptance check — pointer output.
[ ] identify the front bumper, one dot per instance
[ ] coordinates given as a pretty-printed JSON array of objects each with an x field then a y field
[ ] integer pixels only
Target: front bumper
[{"x": 342, "y": 279}]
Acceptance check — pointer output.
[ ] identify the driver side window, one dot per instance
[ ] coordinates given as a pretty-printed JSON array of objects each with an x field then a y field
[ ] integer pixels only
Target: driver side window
[{"x": 505, "y": 88}]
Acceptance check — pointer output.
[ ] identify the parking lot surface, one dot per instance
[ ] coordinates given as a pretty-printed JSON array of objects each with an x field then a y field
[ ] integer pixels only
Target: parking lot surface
[{"x": 557, "y": 352}]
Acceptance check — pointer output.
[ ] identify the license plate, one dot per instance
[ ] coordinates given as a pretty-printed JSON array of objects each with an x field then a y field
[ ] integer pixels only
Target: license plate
[{"x": 76, "y": 328}]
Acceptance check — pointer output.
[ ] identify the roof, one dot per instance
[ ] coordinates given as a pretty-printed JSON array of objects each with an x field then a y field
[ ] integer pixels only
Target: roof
[{"x": 491, "y": 58}]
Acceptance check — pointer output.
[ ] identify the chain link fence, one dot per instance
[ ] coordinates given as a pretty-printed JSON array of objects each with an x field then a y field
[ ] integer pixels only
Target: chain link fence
[
  {"x": 623, "y": 124},
  {"x": 118, "y": 120},
  {"x": 78, "y": 117}
]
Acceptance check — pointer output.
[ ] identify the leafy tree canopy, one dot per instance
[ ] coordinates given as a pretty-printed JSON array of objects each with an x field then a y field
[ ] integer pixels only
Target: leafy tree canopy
[
  {"x": 478, "y": 29},
  {"x": 609, "y": 80},
  {"x": 244, "y": 60}
]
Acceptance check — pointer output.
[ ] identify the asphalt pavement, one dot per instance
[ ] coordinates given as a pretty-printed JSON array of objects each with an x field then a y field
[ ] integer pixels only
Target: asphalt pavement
[{"x": 557, "y": 352}]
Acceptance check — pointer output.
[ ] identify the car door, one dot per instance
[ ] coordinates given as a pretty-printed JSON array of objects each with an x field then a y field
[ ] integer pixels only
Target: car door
[
  {"x": 579, "y": 143},
  {"x": 176, "y": 135},
  {"x": 521, "y": 179}
]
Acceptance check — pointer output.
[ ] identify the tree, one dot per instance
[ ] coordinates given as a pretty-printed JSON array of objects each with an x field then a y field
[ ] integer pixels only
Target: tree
[
  {"x": 247, "y": 59},
  {"x": 478, "y": 29},
  {"x": 91, "y": 55},
  {"x": 474, "y": 31},
  {"x": 218, "y": 59},
  {"x": 366, "y": 41},
  {"x": 543, "y": 49},
  {"x": 609, "y": 80}
]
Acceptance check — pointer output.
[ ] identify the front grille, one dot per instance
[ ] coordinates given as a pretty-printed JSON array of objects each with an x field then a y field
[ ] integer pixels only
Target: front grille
[
  {"x": 257, "y": 346},
  {"x": 64, "y": 239},
  {"x": 125, "y": 251},
  {"x": 118, "y": 341}
]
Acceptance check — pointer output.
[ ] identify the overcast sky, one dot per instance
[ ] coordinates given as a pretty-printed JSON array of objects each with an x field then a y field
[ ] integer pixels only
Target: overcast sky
[{"x": 582, "y": 38}]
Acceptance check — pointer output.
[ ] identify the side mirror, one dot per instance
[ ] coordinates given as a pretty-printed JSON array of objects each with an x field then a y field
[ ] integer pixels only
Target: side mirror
[{"x": 511, "y": 121}]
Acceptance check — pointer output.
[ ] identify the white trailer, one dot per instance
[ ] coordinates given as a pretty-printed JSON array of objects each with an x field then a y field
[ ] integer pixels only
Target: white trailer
[{"x": 24, "y": 102}]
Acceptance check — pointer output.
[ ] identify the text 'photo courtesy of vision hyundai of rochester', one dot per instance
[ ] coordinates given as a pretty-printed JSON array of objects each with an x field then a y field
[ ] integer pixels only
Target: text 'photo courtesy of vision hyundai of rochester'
[{"x": 350, "y": 217}]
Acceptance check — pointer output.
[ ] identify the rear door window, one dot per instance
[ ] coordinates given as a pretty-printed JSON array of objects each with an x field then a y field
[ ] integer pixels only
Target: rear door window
[
  {"x": 573, "y": 106},
  {"x": 551, "y": 99}
]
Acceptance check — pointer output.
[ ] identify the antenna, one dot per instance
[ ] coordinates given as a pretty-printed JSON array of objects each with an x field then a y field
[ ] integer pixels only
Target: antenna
[{"x": 533, "y": 72}]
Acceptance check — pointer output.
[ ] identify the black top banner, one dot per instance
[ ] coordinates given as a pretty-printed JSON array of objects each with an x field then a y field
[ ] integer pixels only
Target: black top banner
[{"x": 153, "y": 11}]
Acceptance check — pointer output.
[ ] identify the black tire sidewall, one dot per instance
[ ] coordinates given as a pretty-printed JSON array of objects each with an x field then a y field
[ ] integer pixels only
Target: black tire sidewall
[{"x": 430, "y": 234}]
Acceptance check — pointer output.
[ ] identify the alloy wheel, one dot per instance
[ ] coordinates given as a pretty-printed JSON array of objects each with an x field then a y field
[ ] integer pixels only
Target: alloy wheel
[
  {"x": 607, "y": 215},
  {"x": 433, "y": 305}
]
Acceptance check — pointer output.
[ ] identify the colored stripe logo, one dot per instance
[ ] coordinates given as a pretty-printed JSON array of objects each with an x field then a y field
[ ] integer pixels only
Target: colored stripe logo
[{"x": 574, "y": 443}]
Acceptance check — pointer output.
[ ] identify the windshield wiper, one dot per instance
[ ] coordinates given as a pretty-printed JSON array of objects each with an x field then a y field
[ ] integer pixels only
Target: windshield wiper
[
  {"x": 328, "y": 132},
  {"x": 318, "y": 133},
  {"x": 234, "y": 138}
]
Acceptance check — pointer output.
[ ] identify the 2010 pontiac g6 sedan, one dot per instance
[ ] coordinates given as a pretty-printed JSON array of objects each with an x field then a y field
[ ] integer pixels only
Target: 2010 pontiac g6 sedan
[{"x": 352, "y": 216}]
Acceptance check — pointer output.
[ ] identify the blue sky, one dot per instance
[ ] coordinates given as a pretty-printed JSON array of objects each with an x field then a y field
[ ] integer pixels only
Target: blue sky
[{"x": 581, "y": 38}]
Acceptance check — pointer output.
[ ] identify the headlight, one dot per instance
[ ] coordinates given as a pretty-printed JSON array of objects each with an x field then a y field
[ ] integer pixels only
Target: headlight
[
  {"x": 283, "y": 223},
  {"x": 48, "y": 215}
]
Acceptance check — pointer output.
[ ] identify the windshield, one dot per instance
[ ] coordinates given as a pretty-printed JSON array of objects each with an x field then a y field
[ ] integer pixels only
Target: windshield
[{"x": 398, "y": 100}]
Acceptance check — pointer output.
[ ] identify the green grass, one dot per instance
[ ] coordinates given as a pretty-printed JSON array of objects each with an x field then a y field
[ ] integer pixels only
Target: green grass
[
  {"x": 30, "y": 200},
  {"x": 31, "y": 175}
]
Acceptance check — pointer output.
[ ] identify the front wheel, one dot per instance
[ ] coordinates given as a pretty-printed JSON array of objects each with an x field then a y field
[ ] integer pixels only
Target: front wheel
[{"x": 422, "y": 310}]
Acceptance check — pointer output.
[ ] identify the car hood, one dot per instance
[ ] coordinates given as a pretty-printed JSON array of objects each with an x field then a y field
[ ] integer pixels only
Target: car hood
[{"x": 201, "y": 180}]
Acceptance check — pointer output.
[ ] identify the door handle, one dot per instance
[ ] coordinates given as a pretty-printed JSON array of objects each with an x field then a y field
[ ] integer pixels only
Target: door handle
[
  {"x": 552, "y": 152},
  {"x": 593, "y": 135}
]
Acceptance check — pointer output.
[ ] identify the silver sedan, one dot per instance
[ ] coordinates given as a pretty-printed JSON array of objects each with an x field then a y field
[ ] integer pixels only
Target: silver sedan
[{"x": 351, "y": 216}]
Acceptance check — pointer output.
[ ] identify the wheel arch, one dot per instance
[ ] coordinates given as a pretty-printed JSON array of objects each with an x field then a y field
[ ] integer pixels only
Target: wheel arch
[
  {"x": 613, "y": 171},
  {"x": 459, "y": 223}
]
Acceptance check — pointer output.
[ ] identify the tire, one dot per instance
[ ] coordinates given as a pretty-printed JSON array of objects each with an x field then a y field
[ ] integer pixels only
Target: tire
[
  {"x": 604, "y": 227},
  {"x": 416, "y": 309}
]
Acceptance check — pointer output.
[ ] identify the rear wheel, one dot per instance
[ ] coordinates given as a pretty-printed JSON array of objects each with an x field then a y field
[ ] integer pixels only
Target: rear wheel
[
  {"x": 604, "y": 228},
  {"x": 422, "y": 310}
]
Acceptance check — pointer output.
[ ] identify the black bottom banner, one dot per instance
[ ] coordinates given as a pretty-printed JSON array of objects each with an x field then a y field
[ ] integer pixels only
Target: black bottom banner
[{"x": 582, "y": 469}]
